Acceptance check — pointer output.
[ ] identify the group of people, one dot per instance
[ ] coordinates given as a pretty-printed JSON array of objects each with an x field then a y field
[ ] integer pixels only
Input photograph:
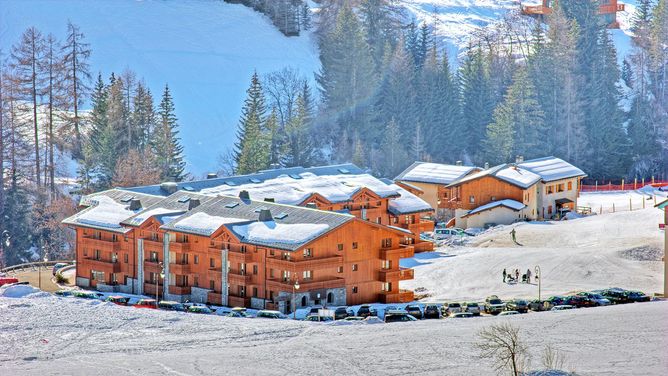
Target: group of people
[{"x": 514, "y": 276}]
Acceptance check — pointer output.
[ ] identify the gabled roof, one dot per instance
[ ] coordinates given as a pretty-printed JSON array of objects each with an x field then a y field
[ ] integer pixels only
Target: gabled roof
[
  {"x": 407, "y": 203},
  {"x": 552, "y": 168},
  {"x": 291, "y": 227},
  {"x": 435, "y": 173},
  {"x": 510, "y": 204},
  {"x": 167, "y": 209},
  {"x": 506, "y": 172}
]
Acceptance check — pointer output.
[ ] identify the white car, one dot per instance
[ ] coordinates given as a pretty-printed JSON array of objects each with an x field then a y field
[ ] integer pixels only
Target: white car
[
  {"x": 508, "y": 313},
  {"x": 454, "y": 308},
  {"x": 473, "y": 308},
  {"x": 562, "y": 307}
]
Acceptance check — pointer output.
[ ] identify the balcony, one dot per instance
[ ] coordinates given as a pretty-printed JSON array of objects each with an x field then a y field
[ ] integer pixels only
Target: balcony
[
  {"x": 179, "y": 290},
  {"x": 103, "y": 265},
  {"x": 179, "y": 247},
  {"x": 306, "y": 263},
  {"x": 422, "y": 226},
  {"x": 215, "y": 298},
  {"x": 232, "y": 255},
  {"x": 152, "y": 244},
  {"x": 305, "y": 285},
  {"x": 404, "y": 251},
  {"x": 423, "y": 246},
  {"x": 238, "y": 278},
  {"x": 180, "y": 269},
  {"x": 401, "y": 296},
  {"x": 215, "y": 274},
  {"x": 238, "y": 301},
  {"x": 403, "y": 274},
  {"x": 149, "y": 288},
  {"x": 101, "y": 244}
]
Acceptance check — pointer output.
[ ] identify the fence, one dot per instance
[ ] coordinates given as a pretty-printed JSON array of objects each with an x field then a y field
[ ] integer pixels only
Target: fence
[{"x": 624, "y": 186}]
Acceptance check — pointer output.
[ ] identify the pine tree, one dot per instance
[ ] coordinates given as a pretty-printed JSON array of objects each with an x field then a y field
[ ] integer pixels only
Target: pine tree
[
  {"x": 252, "y": 149},
  {"x": 143, "y": 116},
  {"x": 358, "y": 153},
  {"x": 476, "y": 98},
  {"x": 16, "y": 223},
  {"x": 276, "y": 137},
  {"x": 300, "y": 150},
  {"x": 644, "y": 136},
  {"x": 165, "y": 142},
  {"x": 76, "y": 53},
  {"x": 306, "y": 17}
]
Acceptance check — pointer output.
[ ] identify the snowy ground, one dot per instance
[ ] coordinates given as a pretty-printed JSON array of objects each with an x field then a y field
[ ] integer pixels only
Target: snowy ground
[
  {"x": 52, "y": 336},
  {"x": 621, "y": 249}
]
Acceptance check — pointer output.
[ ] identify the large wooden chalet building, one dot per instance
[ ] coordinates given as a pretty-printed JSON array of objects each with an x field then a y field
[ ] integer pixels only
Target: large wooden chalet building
[
  {"x": 246, "y": 240},
  {"x": 607, "y": 10}
]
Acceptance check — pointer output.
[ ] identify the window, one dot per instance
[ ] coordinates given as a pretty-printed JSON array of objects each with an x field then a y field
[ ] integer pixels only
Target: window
[
  {"x": 153, "y": 277},
  {"x": 153, "y": 257},
  {"x": 354, "y": 289},
  {"x": 212, "y": 285},
  {"x": 97, "y": 276},
  {"x": 212, "y": 263},
  {"x": 196, "y": 281},
  {"x": 472, "y": 199},
  {"x": 549, "y": 189},
  {"x": 114, "y": 237},
  {"x": 184, "y": 238},
  {"x": 255, "y": 269},
  {"x": 243, "y": 249},
  {"x": 307, "y": 274},
  {"x": 354, "y": 267},
  {"x": 114, "y": 278},
  {"x": 271, "y": 273},
  {"x": 339, "y": 247},
  {"x": 97, "y": 254},
  {"x": 340, "y": 269},
  {"x": 386, "y": 243},
  {"x": 196, "y": 259},
  {"x": 125, "y": 258},
  {"x": 85, "y": 252},
  {"x": 549, "y": 209},
  {"x": 386, "y": 264},
  {"x": 242, "y": 269},
  {"x": 378, "y": 220},
  {"x": 304, "y": 301},
  {"x": 255, "y": 292},
  {"x": 286, "y": 275},
  {"x": 493, "y": 198},
  {"x": 395, "y": 220},
  {"x": 114, "y": 258},
  {"x": 560, "y": 187},
  {"x": 154, "y": 236},
  {"x": 308, "y": 252},
  {"x": 387, "y": 286},
  {"x": 285, "y": 256},
  {"x": 330, "y": 298},
  {"x": 570, "y": 185},
  {"x": 354, "y": 245},
  {"x": 242, "y": 291}
]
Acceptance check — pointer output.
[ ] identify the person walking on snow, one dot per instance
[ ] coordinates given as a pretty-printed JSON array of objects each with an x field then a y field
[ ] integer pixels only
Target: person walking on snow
[
  {"x": 504, "y": 275},
  {"x": 517, "y": 275},
  {"x": 512, "y": 234},
  {"x": 528, "y": 275}
]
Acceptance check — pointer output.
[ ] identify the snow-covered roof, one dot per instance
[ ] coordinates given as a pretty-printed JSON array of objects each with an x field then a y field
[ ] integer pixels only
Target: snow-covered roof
[
  {"x": 407, "y": 203},
  {"x": 161, "y": 212},
  {"x": 506, "y": 172},
  {"x": 510, "y": 204},
  {"x": 103, "y": 213},
  {"x": 552, "y": 168},
  {"x": 203, "y": 223},
  {"x": 435, "y": 173},
  {"x": 270, "y": 233}
]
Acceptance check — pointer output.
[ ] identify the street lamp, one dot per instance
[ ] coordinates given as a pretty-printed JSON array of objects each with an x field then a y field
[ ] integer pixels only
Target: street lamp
[
  {"x": 39, "y": 268},
  {"x": 157, "y": 280},
  {"x": 295, "y": 287},
  {"x": 4, "y": 242},
  {"x": 539, "y": 277}
]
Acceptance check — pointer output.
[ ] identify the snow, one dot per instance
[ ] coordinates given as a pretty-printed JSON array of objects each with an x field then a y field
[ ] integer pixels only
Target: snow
[
  {"x": 518, "y": 176},
  {"x": 206, "y": 50},
  {"x": 144, "y": 216},
  {"x": 579, "y": 254},
  {"x": 407, "y": 203},
  {"x": 551, "y": 168},
  {"x": 270, "y": 232},
  {"x": 511, "y": 204},
  {"x": 290, "y": 191},
  {"x": 604, "y": 201},
  {"x": 203, "y": 223},
  {"x": 106, "y": 213},
  {"x": 52, "y": 335},
  {"x": 434, "y": 173},
  {"x": 18, "y": 291}
]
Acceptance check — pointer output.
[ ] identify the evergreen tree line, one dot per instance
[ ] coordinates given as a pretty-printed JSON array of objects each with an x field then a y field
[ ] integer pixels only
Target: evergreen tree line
[
  {"x": 289, "y": 16},
  {"x": 389, "y": 95}
]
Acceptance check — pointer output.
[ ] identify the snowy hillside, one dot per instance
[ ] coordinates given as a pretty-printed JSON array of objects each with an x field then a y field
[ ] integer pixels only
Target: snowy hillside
[{"x": 206, "y": 50}]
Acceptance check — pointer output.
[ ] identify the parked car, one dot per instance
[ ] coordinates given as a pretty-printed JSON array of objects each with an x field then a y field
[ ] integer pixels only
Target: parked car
[
  {"x": 431, "y": 311},
  {"x": 472, "y": 308},
  {"x": 316, "y": 318},
  {"x": 171, "y": 306},
  {"x": 519, "y": 305},
  {"x": 64, "y": 293},
  {"x": 340, "y": 313},
  {"x": 414, "y": 310},
  {"x": 562, "y": 307},
  {"x": 637, "y": 296},
  {"x": 8, "y": 281},
  {"x": 88, "y": 294},
  {"x": 494, "y": 305},
  {"x": 267, "y": 314},
  {"x": 58, "y": 266},
  {"x": 454, "y": 307},
  {"x": 537, "y": 305},
  {"x": 595, "y": 297},
  {"x": 554, "y": 301},
  {"x": 462, "y": 315},
  {"x": 366, "y": 310},
  {"x": 399, "y": 316},
  {"x": 200, "y": 310},
  {"x": 616, "y": 296},
  {"x": 146, "y": 303},
  {"x": 508, "y": 313},
  {"x": 447, "y": 233},
  {"x": 353, "y": 318},
  {"x": 579, "y": 301},
  {"x": 314, "y": 310},
  {"x": 118, "y": 300}
]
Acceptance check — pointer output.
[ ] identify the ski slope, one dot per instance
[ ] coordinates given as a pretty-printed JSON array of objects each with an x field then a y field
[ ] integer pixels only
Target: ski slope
[{"x": 206, "y": 50}]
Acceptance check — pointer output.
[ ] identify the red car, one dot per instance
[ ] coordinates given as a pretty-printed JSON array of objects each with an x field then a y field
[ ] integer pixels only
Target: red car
[
  {"x": 8, "y": 280},
  {"x": 147, "y": 303}
]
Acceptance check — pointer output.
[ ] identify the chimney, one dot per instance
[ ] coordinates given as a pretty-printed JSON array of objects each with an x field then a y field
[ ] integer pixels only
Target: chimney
[
  {"x": 265, "y": 215},
  {"x": 458, "y": 163},
  {"x": 486, "y": 165},
  {"x": 193, "y": 203},
  {"x": 211, "y": 175},
  {"x": 169, "y": 187},
  {"x": 311, "y": 205},
  {"x": 519, "y": 159},
  {"x": 244, "y": 195},
  {"x": 135, "y": 204},
  {"x": 269, "y": 199}
]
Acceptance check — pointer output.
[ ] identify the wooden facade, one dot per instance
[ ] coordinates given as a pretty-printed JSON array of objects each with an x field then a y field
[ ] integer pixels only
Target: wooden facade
[{"x": 607, "y": 10}]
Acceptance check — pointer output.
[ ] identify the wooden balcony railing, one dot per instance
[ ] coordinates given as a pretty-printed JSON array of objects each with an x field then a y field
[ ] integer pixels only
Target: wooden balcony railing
[
  {"x": 101, "y": 244},
  {"x": 180, "y": 269},
  {"x": 152, "y": 244},
  {"x": 238, "y": 278},
  {"x": 179, "y": 247},
  {"x": 179, "y": 290},
  {"x": 401, "y": 296},
  {"x": 402, "y": 274},
  {"x": 404, "y": 251},
  {"x": 304, "y": 285},
  {"x": 103, "y": 265}
]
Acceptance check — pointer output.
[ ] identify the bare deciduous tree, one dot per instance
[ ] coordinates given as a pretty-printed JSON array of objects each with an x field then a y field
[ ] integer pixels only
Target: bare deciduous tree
[
  {"x": 136, "y": 168},
  {"x": 502, "y": 345}
]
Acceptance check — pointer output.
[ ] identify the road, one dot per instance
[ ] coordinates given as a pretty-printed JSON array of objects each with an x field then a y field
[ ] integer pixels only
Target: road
[{"x": 32, "y": 276}]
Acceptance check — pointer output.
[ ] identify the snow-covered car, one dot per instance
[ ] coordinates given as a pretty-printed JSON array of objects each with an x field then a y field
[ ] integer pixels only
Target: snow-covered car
[
  {"x": 461, "y": 315},
  {"x": 398, "y": 316},
  {"x": 316, "y": 318},
  {"x": 267, "y": 314},
  {"x": 494, "y": 305},
  {"x": 508, "y": 313},
  {"x": 354, "y": 318},
  {"x": 146, "y": 303},
  {"x": 562, "y": 307},
  {"x": 472, "y": 308},
  {"x": 8, "y": 281},
  {"x": 118, "y": 300},
  {"x": 596, "y": 297},
  {"x": 88, "y": 295},
  {"x": 64, "y": 293},
  {"x": 616, "y": 296},
  {"x": 200, "y": 310},
  {"x": 447, "y": 233},
  {"x": 171, "y": 306}
]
